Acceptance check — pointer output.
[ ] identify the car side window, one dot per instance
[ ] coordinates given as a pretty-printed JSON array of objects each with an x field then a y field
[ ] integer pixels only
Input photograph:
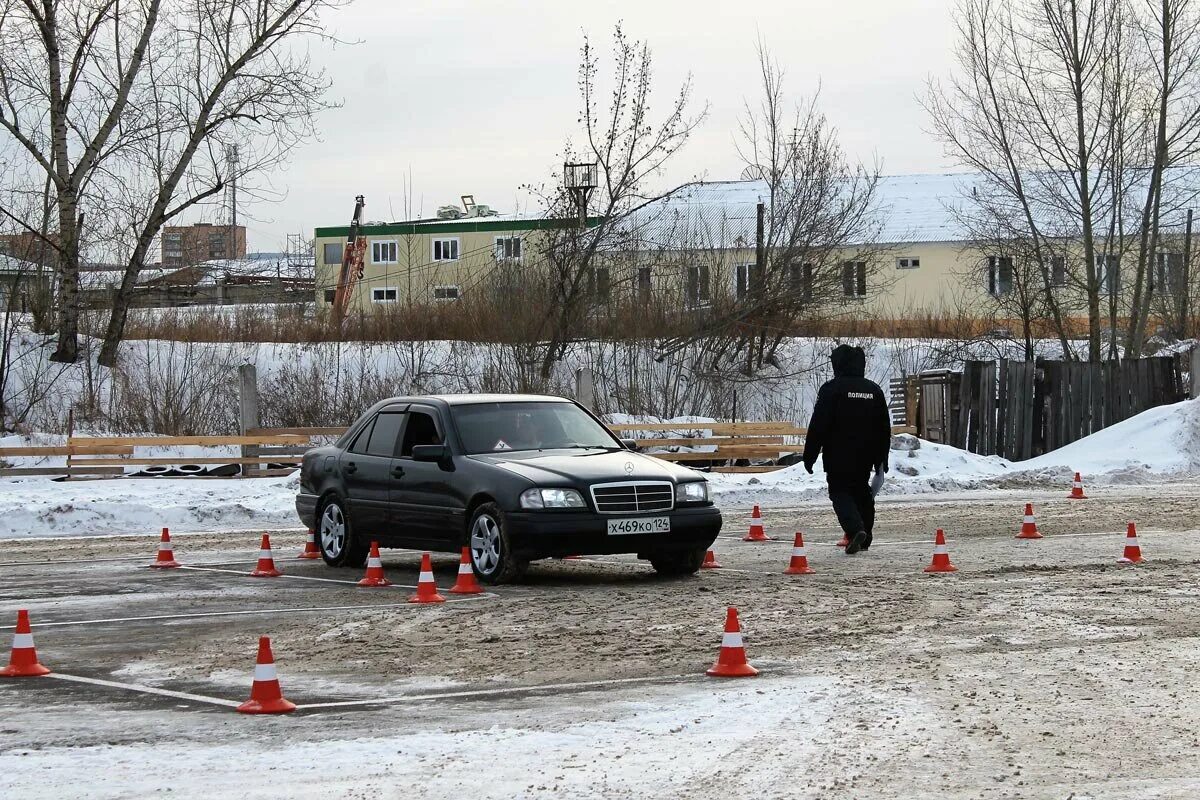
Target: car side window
[
  {"x": 359, "y": 445},
  {"x": 384, "y": 435},
  {"x": 421, "y": 429}
]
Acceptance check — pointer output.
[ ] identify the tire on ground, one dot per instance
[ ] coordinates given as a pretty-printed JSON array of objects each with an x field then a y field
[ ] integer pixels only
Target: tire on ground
[
  {"x": 352, "y": 552},
  {"x": 678, "y": 562},
  {"x": 491, "y": 548}
]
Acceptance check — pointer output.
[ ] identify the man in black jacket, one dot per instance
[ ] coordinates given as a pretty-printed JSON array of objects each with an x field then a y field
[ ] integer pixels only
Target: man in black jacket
[{"x": 852, "y": 430}]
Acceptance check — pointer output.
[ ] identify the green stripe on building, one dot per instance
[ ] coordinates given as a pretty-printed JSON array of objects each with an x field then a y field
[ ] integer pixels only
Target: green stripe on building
[{"x": 454, "y": 226}]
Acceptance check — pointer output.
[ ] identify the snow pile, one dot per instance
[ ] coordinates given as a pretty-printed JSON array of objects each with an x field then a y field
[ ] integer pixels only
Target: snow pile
[{"x": 44, "y": 507}]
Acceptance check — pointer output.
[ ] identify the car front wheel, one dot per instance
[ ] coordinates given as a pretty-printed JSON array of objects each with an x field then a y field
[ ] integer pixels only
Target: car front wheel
[
  {"x": 491, "y": 550},
  {"x": 335, "y": 536},
  {"x": 678, "y": 562}
]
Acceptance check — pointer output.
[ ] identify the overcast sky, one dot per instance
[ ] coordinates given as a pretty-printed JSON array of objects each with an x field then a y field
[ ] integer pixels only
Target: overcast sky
[{"x": 478, "y": 97}]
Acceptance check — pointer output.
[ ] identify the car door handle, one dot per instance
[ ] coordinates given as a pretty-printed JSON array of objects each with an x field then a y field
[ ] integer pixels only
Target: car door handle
[
  {"x": 397, "y": 472},
  {"x": 351, "y": 468}
]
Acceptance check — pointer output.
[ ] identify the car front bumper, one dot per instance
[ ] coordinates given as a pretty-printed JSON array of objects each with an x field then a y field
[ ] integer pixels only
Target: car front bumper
[
  {"x": 548, "y": 534},
  {"x": 306, "y": 509}
]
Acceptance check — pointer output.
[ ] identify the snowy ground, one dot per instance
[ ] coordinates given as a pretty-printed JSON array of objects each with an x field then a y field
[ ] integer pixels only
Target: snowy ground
[{"x": 1040, "y": 670}]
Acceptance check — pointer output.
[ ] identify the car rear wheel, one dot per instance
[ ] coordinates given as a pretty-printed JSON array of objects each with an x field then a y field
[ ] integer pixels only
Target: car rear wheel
[
  {"x": 335, "y": 536},
  {"x": 678, "y": 562},
  {"x": 491, "y": 551}
]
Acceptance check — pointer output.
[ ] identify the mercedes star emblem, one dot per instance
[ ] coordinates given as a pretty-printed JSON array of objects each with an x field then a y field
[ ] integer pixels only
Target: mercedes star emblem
[{"x": 628, "y": 467}]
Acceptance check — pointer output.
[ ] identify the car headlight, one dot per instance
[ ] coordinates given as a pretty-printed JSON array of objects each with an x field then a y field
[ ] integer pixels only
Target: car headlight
[
  {"x": 552, "y": 498},
  {"x": 692, "y": 492}
]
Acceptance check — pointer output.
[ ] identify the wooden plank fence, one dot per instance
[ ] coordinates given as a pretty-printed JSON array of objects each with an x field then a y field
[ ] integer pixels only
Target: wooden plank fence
[{"x": 1021, "y": 409}]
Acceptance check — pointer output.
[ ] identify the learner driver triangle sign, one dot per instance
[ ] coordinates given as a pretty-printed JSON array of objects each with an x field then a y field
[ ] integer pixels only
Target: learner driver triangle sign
[{"x": 502, "y": 445}]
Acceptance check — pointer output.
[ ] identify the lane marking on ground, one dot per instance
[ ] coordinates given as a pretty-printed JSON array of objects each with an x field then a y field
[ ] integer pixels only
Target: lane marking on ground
[
  {"x": 155, "y": 534},
  {"x": 244, "y": 612},
  {"x": 294, "y": 577},
  {"x": 137, "y": 687},
  {"x": 508, "y": 690},
  {"x": 994, "y": 537}
]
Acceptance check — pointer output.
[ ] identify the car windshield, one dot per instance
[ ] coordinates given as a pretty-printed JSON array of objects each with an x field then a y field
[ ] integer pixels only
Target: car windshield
[{"x": 501, "y": 427}]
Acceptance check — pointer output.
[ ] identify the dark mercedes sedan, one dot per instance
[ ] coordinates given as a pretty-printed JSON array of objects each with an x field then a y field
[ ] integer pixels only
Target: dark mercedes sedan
[{"x": 515, "y": 477}]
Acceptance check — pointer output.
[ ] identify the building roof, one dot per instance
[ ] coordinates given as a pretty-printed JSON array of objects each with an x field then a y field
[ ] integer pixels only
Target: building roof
[{"x": 497, "y": 222}]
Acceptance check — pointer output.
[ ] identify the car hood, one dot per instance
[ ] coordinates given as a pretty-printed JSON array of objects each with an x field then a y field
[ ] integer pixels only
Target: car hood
[{"x": 590, "y": 466}]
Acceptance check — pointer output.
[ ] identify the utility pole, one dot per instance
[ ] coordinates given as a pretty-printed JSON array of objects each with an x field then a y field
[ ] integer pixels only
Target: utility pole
[
  {"x": 760, "y": 249},
  {"x": 231, "y": 164},
  {"x": 1185, "y": 279}
]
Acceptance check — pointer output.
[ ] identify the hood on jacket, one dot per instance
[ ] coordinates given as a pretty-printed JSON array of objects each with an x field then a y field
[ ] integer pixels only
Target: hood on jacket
[{"x": 848, "y": 362}]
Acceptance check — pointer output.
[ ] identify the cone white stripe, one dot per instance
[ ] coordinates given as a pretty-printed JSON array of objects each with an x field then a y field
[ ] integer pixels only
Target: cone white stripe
[
  {"x": 1029, "y": 520},
  {"x": 264, "y": 554},
  {"x": 22, "y": 641},
  {"x": 731, "y": 640},
  {"x": 374, "y": 562},
  {"x": 464, "y": 569},
  {"x": 940, "y": 550},
  {"x": 425, "y": 577},
  {"x": 797, "y": 552},
  {"x": 265, "y": 672}
]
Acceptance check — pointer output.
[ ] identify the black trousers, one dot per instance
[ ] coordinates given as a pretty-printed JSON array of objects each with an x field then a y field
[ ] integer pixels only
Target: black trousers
[{"x": 852, "y": 502}]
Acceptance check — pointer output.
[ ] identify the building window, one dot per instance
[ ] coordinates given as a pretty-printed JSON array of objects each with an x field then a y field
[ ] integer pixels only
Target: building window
[
  {"x": 446, "y": 292},
  {"x": 1108, "y": 273},
  {"x": 383, "y": 252},
  {"x": 1058, "y": 271},
  {"x": 800, "y": 281},
  {"x": 854, "y": 278},
  {"x": 508, "y": 248},
  {"x": 1000, "y": 275},
  {"x": 445, "y": 249},
  {"x": 384, "y": 295},
  {"x": 643, "y": 283},
  {"x": 598, "y": 284},
  {"x": 1169, "y": 273},
  {"x": 697, "y": 287},
  {"x": 908, "y": 262},
  {"x": 330, "y": 295},
  {"x": 332, "y": 252},
  {"x": 748, "y": 280}
]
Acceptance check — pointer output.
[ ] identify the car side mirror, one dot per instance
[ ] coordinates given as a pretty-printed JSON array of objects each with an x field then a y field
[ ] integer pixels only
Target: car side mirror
[
  {"x": 630, "y": 444},
  {"x": 433, "y": 453}
]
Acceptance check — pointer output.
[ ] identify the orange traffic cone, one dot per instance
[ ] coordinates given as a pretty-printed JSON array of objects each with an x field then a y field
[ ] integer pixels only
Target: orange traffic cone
[
  {"x": 941, "y": 556},
  {"x": 23, "y": 662},
  {"x": 310, "y": 546},
  {"x": 731, "y": 662},
  {"x": 843, "y": 542},
  {"x": 1077, "y": 489},
  {"x": 426, "y": 587},
  {"x": 756, "y": 528},
  {"x": 710, "y": 561},
  {"x": 374, "y": 576},
  {"x": 1133, "y": 551},
  {"x": 265, "y": 695},
  {"x": 466, "y": 583},
  {"x": 1029, "y": 529},
  {"x": 166, "y": 556},
  {"x": 266, "y": 562},
  {"x": 799, "y": 563}
]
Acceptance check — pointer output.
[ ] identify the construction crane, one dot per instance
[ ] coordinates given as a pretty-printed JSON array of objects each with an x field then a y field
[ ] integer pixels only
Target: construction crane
[{"x": 352, "y": 263}]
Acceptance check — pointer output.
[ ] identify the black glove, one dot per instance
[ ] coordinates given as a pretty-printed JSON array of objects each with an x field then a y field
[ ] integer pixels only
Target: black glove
[
  {"x": 881, "y": 466},
  {"x": 808, "y": 467}
]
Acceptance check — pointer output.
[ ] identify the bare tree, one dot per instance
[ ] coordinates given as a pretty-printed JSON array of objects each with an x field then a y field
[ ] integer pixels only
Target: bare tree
[
  {"x": 67, "y": 70},
  {"x": 125, "y": 108},
  {"x": 628, "y": 145},
  {"x": 815, "y": 236},
  {"x": 223, "y": 73}
]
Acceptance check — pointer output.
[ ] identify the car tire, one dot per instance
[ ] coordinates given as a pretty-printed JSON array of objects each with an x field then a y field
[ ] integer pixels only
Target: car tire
[
  {"x": 491, "y": 547},
  {"x": 335, "y": 535},
  {"x": 678, "y": 562}
]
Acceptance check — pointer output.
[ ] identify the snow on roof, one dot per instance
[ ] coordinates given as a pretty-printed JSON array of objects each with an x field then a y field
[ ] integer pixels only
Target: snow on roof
[
  {"x": 10, "y": 264},
  {"x": 910, "y": 208}
]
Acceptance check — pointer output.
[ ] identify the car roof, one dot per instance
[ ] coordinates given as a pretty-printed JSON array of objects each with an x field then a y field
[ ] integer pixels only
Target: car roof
[{"x": 470, "y": 399}]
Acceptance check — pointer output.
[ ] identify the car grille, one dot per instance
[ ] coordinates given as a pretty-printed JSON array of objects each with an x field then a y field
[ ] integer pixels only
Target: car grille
[{"x": 633, "y": 498}]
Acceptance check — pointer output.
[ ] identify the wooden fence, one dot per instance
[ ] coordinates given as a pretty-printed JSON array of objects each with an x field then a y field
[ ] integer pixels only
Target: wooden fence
[{"x": 1022, "y": 409}]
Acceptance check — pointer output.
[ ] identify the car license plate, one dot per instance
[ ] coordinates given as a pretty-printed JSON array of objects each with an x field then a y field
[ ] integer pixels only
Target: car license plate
[{"x": 617, "y": 527}]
